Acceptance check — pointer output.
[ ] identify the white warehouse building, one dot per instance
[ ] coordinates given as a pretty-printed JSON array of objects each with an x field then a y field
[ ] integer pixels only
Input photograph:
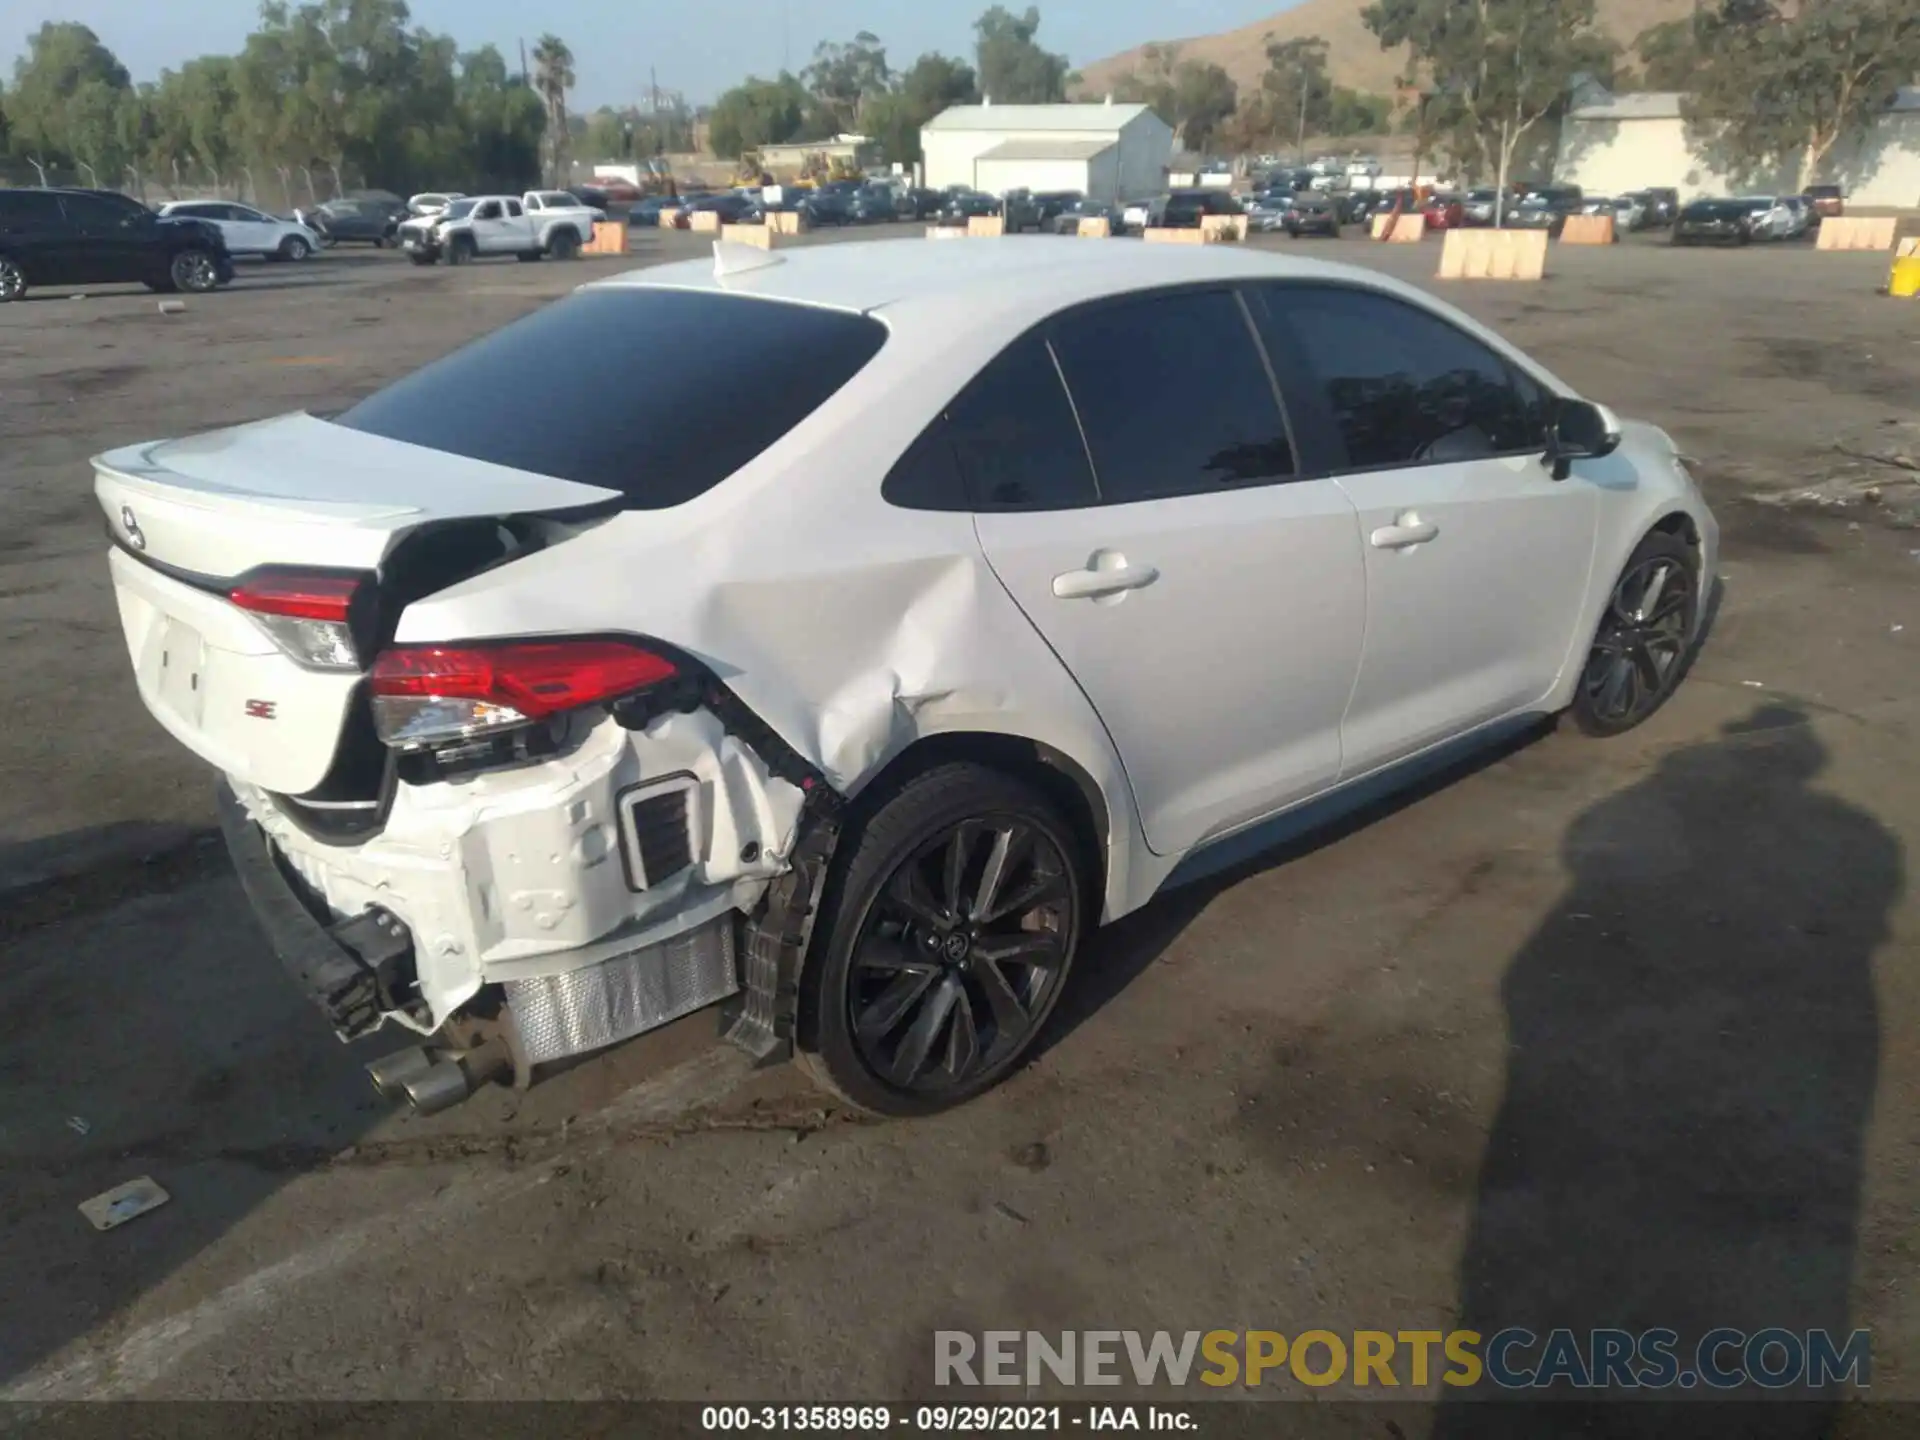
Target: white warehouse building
[
  {"x": 1109, "y": 152},
  {"x": 1610, "y": 143}
]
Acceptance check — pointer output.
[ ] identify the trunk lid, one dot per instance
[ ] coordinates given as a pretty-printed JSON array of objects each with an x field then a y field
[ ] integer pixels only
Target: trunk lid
[{"x": 190, "y": 516}]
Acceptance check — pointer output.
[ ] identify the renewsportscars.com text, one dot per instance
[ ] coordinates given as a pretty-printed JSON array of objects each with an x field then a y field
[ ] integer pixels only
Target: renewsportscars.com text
[{"x": 1511, "y": 1359}]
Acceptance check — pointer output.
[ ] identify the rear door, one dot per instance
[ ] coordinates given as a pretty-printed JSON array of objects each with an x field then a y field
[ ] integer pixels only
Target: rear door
[
  {"x": 247, "y": 229},
  {"x": 34, "y": 230},
  {"x": 110, "y": 244},
  {"x": 1476, "y": 557},
  {"x": 1206, "y": 594}
]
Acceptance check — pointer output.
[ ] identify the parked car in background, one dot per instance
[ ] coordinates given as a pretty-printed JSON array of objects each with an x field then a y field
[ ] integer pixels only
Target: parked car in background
[
  {"x": 357, "y": 221},
  {"x": 1827, "y": 200},
  {"x": 1312, "y": 213},
  {"x": 1637, "y": 206},
  {"x": 1054, "y": 202},
  {"x": 1182, "y": 209},
  {"x": 1480, "y": 206},
  {"x": 1800, "y": 215},
  {"x": 1020, "y": 210},
  {"x": 1770, "y": 216},
  {"x": 1067, "y": 221},
  {"x": 1445, "y": 212},
  {"x": 963, "y": 204},
  {"x": 595, "y": 197},
  {"x": 432, "y": 202},
  {"x": 732, "y": 207},
  {"x": 478, "y": 226},
  {"x": 872, "y": 205},
  {"x": 1713, "y": 222},
  {"x": 918, "y": 203},
  {"x": 1267, "y": 209},
  {"x": 248, "y": 231},
  {"x": 646, "y": 212},
  {"x": 1663, "y": 206},
  {"x": 100, "y": 237},
  {"x": 562, "y": 692},
  {"x": 1546, "y": 211}
]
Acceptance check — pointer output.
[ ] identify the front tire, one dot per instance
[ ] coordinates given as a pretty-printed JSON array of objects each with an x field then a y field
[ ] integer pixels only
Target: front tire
[
  {"x": 194, "y": 272},
  {"x": 945, "y": 940},
  {"x": 563, "y": 245},
  {"x": 294, "y": 248},
  {"x": 1639, "y": 653},
  {"x": 460, "y": 250}
]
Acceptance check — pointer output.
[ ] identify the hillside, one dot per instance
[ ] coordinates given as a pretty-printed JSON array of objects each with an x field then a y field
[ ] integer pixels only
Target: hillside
[{"x": 1354, "y": 56}]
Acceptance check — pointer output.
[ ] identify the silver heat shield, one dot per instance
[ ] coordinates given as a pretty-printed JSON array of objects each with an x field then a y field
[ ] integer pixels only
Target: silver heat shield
[{"x": 600, "y": 1005}]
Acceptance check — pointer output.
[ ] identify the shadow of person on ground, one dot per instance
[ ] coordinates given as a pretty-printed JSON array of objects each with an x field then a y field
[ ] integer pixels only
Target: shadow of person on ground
[{"x": 1693, "y": 1049}]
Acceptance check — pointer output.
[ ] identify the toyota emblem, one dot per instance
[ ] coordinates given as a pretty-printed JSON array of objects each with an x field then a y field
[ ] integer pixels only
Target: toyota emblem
[{"x": 135, "y": 536}]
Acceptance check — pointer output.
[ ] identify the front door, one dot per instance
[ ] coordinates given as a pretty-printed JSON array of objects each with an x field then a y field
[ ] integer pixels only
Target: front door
[
  {"x": 493, "y": 233},
  {"x": 1476, "y": 557},
  {"x": 1207, "y": 599},
  {"x": 109, "y": 240}
]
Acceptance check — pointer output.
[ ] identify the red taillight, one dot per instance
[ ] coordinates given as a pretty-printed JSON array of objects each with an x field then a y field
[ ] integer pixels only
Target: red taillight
[
  {"x": 306, "y": 612},
  {"x": 296, "y": 594},
  {"x": 429, "y": 694}
]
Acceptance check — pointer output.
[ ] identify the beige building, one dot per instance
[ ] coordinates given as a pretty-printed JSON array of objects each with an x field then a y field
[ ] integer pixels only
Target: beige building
[{"x": 1610, "y": 143}]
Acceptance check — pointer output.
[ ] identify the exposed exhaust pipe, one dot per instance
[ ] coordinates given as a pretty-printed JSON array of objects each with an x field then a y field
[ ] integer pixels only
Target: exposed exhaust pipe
[{"x": 432, "y": 1081}]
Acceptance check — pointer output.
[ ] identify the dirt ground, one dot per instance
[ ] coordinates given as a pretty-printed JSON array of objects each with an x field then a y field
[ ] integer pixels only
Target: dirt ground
[{"x": 1596, "y": 1033}]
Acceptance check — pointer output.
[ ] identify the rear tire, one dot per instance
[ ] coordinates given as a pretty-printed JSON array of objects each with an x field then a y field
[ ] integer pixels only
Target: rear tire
[
  {"x": 13, "y": 281},
  {"x": 946, "y": 936},
  {"x": 1641, "y": 650},
  {"x": 563, "y": 244}
]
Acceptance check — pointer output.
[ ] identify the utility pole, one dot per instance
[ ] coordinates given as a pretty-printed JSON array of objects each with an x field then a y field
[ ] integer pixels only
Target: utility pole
[{"x": 786, "y": 35}]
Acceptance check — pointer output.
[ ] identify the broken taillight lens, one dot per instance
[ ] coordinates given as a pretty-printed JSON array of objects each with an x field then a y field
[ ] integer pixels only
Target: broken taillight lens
[
  {"x": 306, "y": 612},
  {"x": 435, "y": 694}
]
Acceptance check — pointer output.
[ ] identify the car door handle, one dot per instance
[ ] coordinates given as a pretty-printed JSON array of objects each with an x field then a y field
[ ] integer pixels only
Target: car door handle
[
  {"x": 1108, "y": 574},
  {"x": 1408, "y": 530}
]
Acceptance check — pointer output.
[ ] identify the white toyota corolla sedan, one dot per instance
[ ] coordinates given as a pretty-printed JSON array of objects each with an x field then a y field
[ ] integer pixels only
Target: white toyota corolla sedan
[{"x": 842, "y": 634}]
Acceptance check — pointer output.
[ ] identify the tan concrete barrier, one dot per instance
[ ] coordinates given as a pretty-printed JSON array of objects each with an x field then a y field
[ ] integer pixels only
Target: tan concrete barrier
[
  {"x": 1095, "y": 227},
  {"x": 609, "y": 238},
  {"x": 986, "y": 226},
  {"x": 1857, "y": 232},
  {"x": 1406, "y": 228},
  {"x": 1494, "y": 255},
  {"x": 946, "y": 232},
  {"x": 1587, "y": 230},
  {"x": 704, "y": 222},
  {"x": 759, "y": 236},
  {"x": 787, "y": 222},
  {"x": 1161, "y": 235},
  {"x": 1218, "y": 228}
]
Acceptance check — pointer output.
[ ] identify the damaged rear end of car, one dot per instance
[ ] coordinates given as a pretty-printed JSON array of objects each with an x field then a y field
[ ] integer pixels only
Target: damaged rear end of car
[{"x": 513, "y": 818}]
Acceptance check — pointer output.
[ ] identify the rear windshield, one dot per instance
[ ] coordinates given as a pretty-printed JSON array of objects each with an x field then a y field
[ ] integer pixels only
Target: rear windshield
[{"x": 659, "y": 394}]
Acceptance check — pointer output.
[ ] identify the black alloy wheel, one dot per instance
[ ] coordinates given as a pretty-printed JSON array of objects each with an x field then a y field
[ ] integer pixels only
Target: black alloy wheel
[
  {"x": 13, "y": 280},
  {"x": 950, "y": 936},
  {"x": 1640, "y": 651}
]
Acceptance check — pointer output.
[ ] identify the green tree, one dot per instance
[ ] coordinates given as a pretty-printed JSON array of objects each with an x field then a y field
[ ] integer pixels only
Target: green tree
[
  {"x": 1014, "y": 69},
  {"x": 67, "y": 90},
  {"x": 609, "y": 135},
  {"x": 503, "y": 120},
  {"x": 844, "y": 79},
  {"x": 553, "y": 77},
  {"x": 1778, "y": 83},
  {"x": 1498, "y": 67},
  {"x": 1204, "y": 96},
  {"x": 1667, "y": 56},
  {"x": 758, "y": 112},
  {"x": 932, "y": 84},
  {"x": 1298, "y": 88}
]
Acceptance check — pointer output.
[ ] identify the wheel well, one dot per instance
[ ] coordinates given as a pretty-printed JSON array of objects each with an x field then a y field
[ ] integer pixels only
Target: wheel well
[
  {"x": 1680, "y": 525},
  {"x": 1056, "y": 775}
]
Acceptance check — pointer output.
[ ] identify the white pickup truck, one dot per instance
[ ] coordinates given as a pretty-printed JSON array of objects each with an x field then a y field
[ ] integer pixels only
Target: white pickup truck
[{"x": 481, "y": 225}]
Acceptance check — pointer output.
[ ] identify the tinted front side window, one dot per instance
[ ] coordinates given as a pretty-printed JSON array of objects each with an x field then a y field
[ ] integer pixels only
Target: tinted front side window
[
  {"x": 92, "y": 213},
  {"x": 1404, "y": 386},
  {"x": 1173, "y": 395},
  {"x": 660, "y": 394},
  {"x": 1014, "y": 436}
]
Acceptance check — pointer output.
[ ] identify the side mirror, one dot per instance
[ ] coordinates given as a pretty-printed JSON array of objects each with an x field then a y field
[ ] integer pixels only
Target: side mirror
[{"x": 1579, "y": 430}]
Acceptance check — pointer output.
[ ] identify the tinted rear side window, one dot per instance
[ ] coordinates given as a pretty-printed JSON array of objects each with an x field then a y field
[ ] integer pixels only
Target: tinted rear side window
[
  {"x": 30, "y": 210},
  {"x": 660, "y": 394},
  {"x": 1014, "y": 436}
]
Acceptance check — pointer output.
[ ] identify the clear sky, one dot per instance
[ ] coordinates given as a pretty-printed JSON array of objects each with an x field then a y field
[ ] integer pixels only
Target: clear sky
[{"x": 698, "y": 46}]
